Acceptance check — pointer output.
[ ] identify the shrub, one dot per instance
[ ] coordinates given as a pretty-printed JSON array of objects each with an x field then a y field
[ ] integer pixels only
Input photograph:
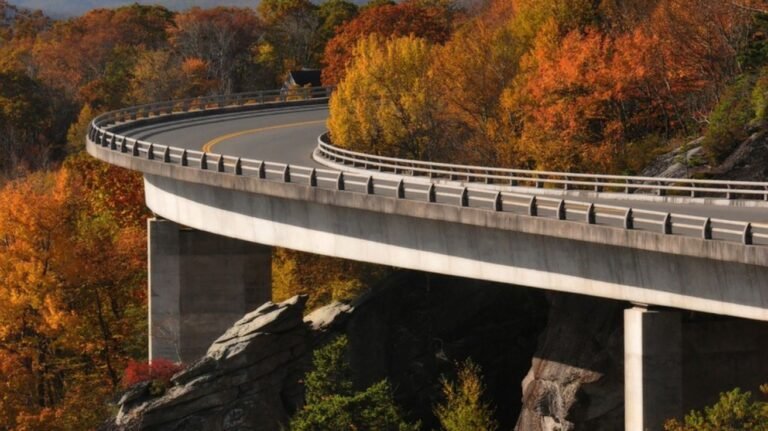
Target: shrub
[
  {"x": 332, "y": 403},
  {"x": 734, "y": 411},
  {"x": 760, "y": 96},
  {"x": 158, "y": 372},
  {"x": 463, "y": 408},
  {"x": 728, "y": 121}
]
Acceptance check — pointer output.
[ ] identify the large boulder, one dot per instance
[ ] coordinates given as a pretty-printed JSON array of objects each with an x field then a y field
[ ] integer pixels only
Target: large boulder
[{"x": 248, "y": 379}]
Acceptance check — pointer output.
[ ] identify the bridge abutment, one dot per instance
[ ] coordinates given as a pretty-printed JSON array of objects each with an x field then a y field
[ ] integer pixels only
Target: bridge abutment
[
  {"x": 199, "y": 285},
  {"x": 653, "y": 368}
]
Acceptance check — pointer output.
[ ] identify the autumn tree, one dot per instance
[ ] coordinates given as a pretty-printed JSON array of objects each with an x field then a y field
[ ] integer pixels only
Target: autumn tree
[
  {"x": 294, "y": 27},
  {"x": 19, "y": 23},
  {"x": 26, "y": 139},
  {"x": 323, "y": 279},
  {"x": 463, "y": 407},
  {"x": 71, "y": 281},
  {"x": 223, "y": 39},
  {"x": 470, "y": 73},
  {"x": 87, "y": 55},
  {"x": 432, "y": 22},
  {"x": 734, "y": 410},
  {"x": 387, "y": 103}
]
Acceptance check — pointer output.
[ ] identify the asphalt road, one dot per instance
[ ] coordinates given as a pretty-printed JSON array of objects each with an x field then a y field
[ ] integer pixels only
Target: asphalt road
[{"x": 289, "y": 135}]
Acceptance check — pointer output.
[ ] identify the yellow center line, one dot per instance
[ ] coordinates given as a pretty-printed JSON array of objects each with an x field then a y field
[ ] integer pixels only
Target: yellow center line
[{"x": 208, "y": 147}]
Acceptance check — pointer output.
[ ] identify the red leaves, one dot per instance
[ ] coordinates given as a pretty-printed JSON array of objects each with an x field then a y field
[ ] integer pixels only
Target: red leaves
[{"x": 158, "y": 370}]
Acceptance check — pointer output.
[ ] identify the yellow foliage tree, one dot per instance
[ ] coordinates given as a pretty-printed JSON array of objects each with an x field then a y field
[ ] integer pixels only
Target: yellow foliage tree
[{"x": 387, "y": 103}]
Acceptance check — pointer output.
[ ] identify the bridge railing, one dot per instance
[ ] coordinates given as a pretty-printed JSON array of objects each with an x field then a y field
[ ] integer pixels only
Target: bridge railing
[
  {"x": 205, "y": 103},
  {"x": 408, "y": 188},
  {"x": 541, "y": 179}
]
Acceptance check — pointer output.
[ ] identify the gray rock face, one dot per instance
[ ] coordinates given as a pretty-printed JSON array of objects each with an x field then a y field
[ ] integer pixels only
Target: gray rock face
[
  {"x": 411, "y": 331},
  {"x": 248, "y": 380},
  {"x": 576, "y": 380}
]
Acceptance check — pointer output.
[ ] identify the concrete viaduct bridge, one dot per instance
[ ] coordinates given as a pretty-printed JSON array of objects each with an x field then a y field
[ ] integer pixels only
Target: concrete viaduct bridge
[{"x": 231, "y": 176}]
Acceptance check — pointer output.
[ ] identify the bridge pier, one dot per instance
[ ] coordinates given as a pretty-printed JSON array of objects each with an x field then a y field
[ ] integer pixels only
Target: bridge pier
[
  {"x": 653, "y": 368},
  {"x": 199, "y": 285}
]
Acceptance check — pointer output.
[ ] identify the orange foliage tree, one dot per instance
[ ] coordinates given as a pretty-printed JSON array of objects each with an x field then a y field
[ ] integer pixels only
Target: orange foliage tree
[
  {"x": 72, "y": 287},
  {"x": 89, "y": 58},
  {"x": 222, "y": 39}
]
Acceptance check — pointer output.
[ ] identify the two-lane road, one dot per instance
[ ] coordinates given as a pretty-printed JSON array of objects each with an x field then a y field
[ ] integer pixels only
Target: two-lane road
[{"x": 289, "y": 135}]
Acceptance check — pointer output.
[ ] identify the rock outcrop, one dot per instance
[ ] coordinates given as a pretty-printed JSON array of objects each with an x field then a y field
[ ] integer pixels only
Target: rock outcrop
[
  {"x": 576, "y": 380},
  {"x": 248, "y": 380},
  {"x": 411, "y": 331}
]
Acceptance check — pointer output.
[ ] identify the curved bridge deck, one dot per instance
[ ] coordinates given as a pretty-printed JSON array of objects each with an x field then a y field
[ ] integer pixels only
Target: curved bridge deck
[{"x": 449, "y": 227}]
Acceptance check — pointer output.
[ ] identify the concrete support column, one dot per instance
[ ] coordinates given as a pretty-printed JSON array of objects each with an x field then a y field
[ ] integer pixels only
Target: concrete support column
[
  {"x": 199, "y": 285},
  {"x": 652, "y": 368}
]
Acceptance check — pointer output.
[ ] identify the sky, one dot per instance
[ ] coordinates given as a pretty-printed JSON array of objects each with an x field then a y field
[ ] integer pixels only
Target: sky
[{"x": 66, "y": 8}]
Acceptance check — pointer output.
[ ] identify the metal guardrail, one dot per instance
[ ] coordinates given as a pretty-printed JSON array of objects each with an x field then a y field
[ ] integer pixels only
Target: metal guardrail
[
  {"x": 540, "y": 179},
  {"x": 462, "y": 196}
]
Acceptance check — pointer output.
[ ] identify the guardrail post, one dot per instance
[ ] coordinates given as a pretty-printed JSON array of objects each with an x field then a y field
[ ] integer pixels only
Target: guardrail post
[
  {"x": 204, "y": 161},
  {"x": 464, "y": 197},
  {"x": 629, "y": 221},
  {"x": 151, "y": 152},
  {"x": 591, "y": 219},
  {"x": 693, "y": 191},
  {"x": 123, "y": 145},
  {"x": 184, "y": 158},
  {"x": 487, "y": 180},
  {"x": 431, "y": 193},
  {"x": 598, "y": 187},
  {"x": 238, "y": 166},
  {"x": 728, "y": 194},
  {"x": 538, "y": 184},
  {"x": 706, "y": 230},
  {"x": 261, "y": 97},
  {"x": 113, "y": 143},
  {"x": 167, "y": 155},
  {"x": 765, "y": 196},
  {"x": 220, "y": 164},
  {"x": 566, "y": 186},
  {"x": 313, "y": 178},
  {"x": 401, "y": 189},
  {"x": 561, "y": 213},
  {"x": 533, "y": 209},
  {"x": 340, "y": 181},
  {"x": 746, "y": 236},
  {"x": 369, "y": 185},
  {"x": 666, "y": 224},
  {"x": 287, "y": 174},
  {"x": 660, "y": 191},
  {"x": 512, "y": 181},
  {"x": 498, "y": 204},
  {"x": 262, "y": 170},
  {"x": 626, "y": 186}
]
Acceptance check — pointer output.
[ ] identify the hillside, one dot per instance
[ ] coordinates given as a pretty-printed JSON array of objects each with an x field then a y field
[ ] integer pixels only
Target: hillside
[{"x": 59, "y": 9}]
